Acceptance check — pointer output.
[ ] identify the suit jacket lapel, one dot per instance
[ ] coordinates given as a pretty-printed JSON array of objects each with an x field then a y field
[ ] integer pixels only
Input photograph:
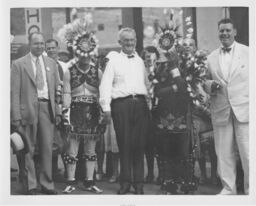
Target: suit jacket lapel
[
  {"x": 218, "y": 66},
  {"x": 235, "y": 60},
  {"x": 48, "y": 72},
  {"x": 29, "y": 68}
]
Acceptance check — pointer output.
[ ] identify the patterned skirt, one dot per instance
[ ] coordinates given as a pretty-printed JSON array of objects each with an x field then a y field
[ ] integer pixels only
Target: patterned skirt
[{"x": 85, "y": 119}]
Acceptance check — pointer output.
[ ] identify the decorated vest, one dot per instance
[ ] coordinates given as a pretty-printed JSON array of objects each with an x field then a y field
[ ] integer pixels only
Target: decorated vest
[{"x": 77, "y": 77}]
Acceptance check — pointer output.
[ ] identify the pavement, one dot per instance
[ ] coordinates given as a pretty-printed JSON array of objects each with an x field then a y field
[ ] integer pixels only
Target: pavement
[{"x": 112, "y": 188}]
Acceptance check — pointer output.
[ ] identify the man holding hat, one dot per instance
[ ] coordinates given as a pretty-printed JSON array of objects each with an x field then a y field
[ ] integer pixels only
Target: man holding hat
[{"x": 34, "y": 93}]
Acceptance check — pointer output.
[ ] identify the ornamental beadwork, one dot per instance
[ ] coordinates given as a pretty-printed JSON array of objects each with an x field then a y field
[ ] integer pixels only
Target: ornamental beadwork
[
  {"x": 84, "y": 45},
  {"x": 69, "y": 159},
  {"x": 167, "y": 39}
]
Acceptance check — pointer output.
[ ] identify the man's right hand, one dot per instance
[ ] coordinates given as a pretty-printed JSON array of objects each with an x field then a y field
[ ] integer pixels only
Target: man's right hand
[
  {"x": 215, "y": 86},
  {"x": 106, "y": 117},
  {"x": 16, "y": 123}
]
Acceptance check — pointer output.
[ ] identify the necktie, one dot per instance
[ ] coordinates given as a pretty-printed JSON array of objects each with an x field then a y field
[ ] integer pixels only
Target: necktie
[
  {"x": 226, "y": 49},
  {"x": 39, "y": 75},
  {"x": 130, "y": 56}
]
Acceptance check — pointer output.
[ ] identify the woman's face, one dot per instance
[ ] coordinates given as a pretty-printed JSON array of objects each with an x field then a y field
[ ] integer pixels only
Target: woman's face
[
  {"x": 150, "y": 59},
  {"x": 189, "y": 46}
]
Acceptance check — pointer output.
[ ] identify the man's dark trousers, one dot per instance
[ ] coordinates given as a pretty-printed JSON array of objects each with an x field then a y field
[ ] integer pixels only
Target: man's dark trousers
[{"x": 131, "y": 116}]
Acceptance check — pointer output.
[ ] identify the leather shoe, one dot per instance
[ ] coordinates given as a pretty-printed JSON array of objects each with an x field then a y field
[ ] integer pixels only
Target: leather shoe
[
  {"x": 32, "y": 192},
  {"x": 149, "y": 179},
  {"x": 139, "y": 191},
  {"x": 49, "y": 192},
  {"x": 123, "y": 190}
]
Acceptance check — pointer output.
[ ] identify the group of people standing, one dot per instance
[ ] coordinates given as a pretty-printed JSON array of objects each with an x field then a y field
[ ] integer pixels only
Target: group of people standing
[{"x": 150, "y": 116}]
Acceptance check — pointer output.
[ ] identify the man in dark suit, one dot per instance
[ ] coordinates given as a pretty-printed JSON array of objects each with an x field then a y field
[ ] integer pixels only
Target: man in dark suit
[{"x": 34, "y": 93}]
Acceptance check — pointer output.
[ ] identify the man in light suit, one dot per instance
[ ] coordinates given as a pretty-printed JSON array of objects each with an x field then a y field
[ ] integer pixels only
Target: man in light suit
[
  {"x": 34, "y": 93},
  {"x": 228, "y": 68}
]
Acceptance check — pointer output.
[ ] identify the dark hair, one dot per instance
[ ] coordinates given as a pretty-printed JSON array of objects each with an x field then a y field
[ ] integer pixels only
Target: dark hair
[
  {"x": 31, "y": 35},
  {"x": 227, "y": 21},
  {"x": 150, "y": 49},
  {"x": 52, "y": 40}
]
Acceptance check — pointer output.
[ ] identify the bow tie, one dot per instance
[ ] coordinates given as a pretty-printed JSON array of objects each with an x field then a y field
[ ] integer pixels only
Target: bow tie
[
  {"x": 226, "y": 49},
  {"x": 130, "y": 56}
]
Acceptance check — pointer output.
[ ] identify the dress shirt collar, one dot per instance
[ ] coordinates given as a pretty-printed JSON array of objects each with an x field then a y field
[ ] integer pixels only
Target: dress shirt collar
[
  {"x": 231, "y": 47},
  {"x": 33, "y": 57},
  {"x": 126, "y": 55}
]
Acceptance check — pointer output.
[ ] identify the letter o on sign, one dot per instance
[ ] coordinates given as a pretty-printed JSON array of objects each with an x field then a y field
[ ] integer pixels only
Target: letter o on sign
[{"x": 33, "y": 29}]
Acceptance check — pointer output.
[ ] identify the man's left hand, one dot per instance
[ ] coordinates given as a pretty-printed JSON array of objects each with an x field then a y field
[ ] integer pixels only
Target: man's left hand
[{"x": 58, "y": 120}]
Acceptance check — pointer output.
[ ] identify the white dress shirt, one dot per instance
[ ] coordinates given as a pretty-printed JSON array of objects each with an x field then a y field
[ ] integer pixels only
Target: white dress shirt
[
  {"x": 226, "y": 61},
  {"x": 122, "y": 77},
  {"x": 44, "y": 92}
]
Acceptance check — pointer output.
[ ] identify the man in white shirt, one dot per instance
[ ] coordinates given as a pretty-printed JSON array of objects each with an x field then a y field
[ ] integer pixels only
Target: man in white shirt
[
  {"x": 228, "y": 68},
  {"x": 122, "y": 94},
  {"x": 34, "y": 89}
]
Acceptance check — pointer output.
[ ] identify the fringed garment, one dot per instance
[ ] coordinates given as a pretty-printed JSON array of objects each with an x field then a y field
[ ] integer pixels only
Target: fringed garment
[{"x": 85, "y": 111}]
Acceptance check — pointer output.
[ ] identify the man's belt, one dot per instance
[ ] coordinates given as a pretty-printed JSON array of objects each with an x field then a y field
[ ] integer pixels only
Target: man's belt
[
  {"x": 43, "y": 100},
  {"x": 135, "y": 96}
]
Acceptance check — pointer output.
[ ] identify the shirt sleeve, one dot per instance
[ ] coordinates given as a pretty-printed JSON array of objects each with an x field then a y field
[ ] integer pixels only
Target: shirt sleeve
[
  {"x": 66, "y": 90},
  {"x": 106, "y": 87}
]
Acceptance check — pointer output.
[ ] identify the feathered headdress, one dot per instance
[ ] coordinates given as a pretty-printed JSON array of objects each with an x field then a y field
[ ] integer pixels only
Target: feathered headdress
[
  {"x": 78, "y": 36},
  {"x": 169, "y": 34}
]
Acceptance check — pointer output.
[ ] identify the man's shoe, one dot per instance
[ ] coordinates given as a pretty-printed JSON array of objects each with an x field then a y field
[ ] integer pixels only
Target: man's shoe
[
  {"x": 149, "y": 179},
  {"x": 32, "y": 192},
  {"x": 227, "y": 192},
  {"x": 202, "y": 180},
  {"x": 94, "y": 189},
  {"x": 139, "y": 191},
  {"x": 69, "y": 189},
  {"x": 49, "y": 192},
  {"x": 123, "y": 190},
  {"x": 113, "y": 179},
  {"x": 159, "y": 180},
  {"x": 91, "y": 187}
]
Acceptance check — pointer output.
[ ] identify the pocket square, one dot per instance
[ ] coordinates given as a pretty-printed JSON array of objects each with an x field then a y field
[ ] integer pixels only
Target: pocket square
[{"x": 48, "y": 69}]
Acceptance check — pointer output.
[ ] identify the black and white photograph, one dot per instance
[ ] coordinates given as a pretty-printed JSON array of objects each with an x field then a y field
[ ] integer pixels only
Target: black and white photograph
[{"x": 129, "y": 104}]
